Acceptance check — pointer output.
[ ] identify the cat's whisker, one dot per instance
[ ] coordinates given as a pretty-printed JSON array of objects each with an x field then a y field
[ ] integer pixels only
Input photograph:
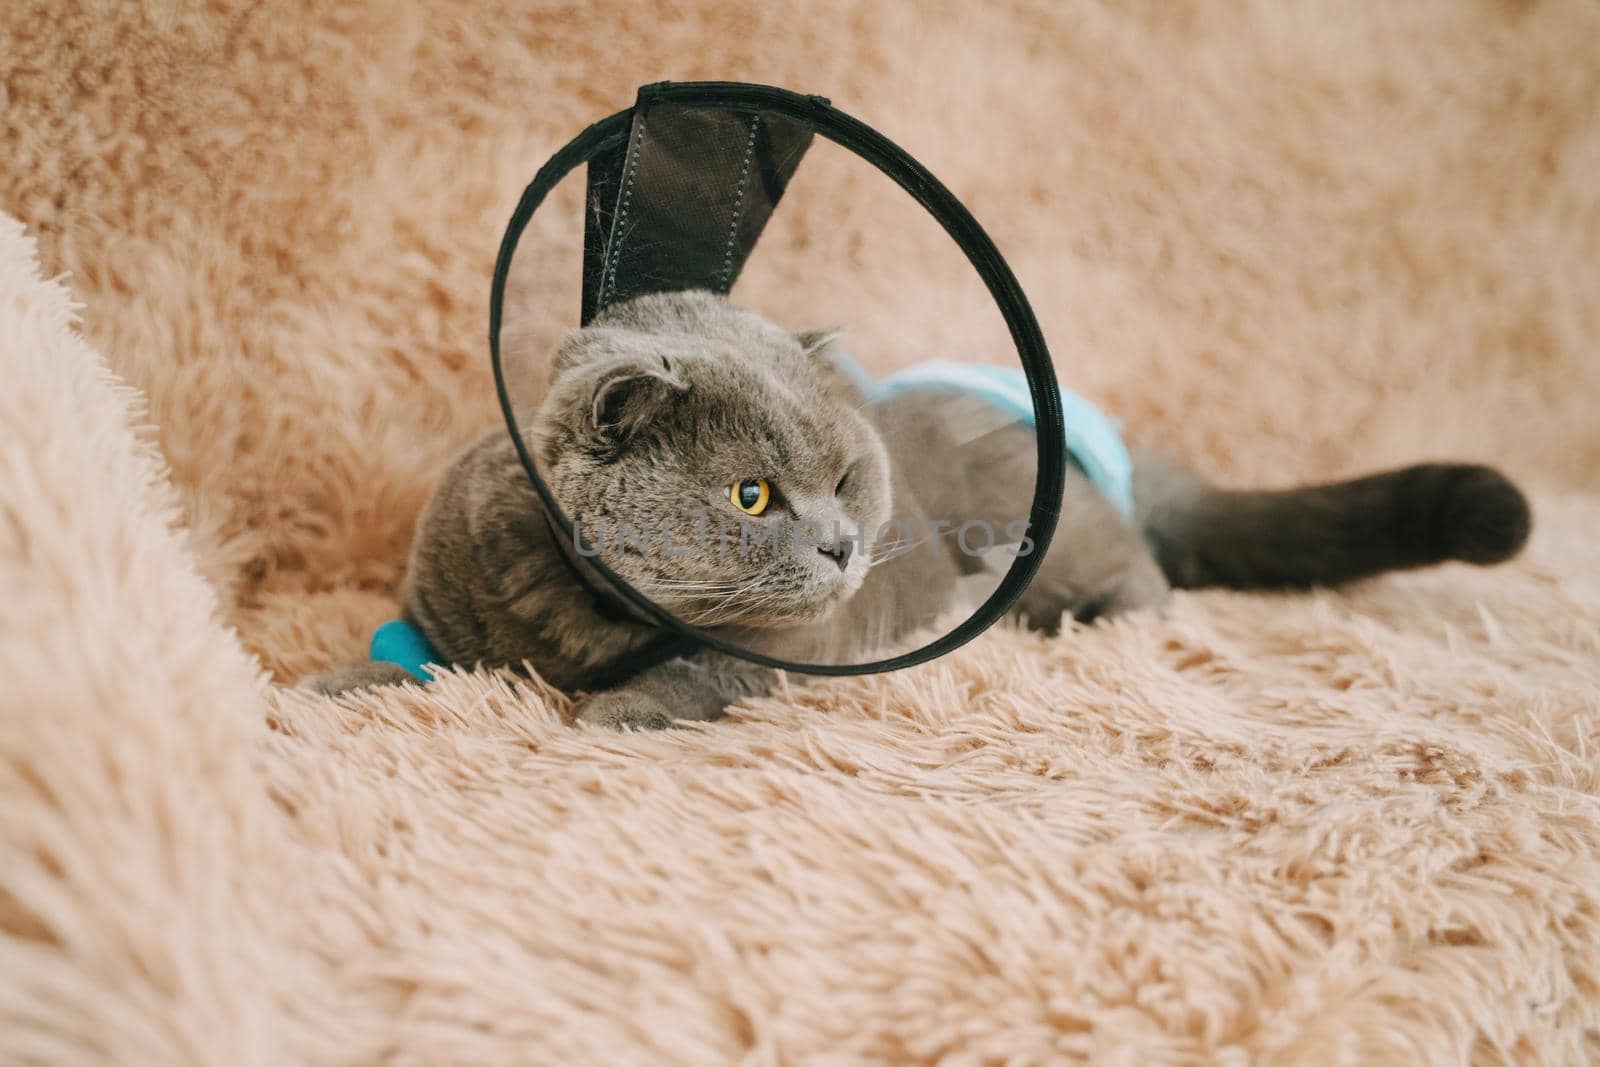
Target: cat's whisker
[
  {"x": 686, "y": 586},
  {"x": 895, "y": 551},
  {"x": 899, "y": 548},
  {"x": 730, "y": 604},
  {"x": 883, "y": 548}
]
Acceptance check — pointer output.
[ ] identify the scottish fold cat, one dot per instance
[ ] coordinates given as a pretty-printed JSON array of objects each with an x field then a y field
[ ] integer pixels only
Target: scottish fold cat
[{"x": 686, "y": 408}]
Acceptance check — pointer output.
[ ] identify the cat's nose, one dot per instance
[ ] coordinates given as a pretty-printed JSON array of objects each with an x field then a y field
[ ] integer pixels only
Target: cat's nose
[{"x": 839, "y": 551}]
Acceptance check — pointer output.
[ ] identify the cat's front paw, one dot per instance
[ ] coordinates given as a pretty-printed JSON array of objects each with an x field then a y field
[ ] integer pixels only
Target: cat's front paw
[
  {"x": 369, "y": 675},
  {"x": 621, "y": 709}
]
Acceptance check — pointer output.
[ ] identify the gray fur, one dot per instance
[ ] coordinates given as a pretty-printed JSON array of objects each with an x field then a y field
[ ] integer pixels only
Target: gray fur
[{"x": 664, "y": 401}]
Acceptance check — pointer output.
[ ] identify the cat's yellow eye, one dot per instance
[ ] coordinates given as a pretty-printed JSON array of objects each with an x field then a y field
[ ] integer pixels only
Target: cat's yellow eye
[{"x": 750, "y": 496}]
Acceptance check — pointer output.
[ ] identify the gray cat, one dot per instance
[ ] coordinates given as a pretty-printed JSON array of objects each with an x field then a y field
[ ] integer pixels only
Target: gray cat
[{"x": 684, "y": 406}]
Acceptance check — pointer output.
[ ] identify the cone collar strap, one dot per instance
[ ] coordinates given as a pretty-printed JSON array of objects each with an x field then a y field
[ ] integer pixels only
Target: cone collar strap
[{"x": 682, "y": 202}]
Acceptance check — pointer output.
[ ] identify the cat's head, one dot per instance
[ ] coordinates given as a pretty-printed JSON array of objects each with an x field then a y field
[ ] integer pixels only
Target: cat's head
[{"x": 718, "y": 463}]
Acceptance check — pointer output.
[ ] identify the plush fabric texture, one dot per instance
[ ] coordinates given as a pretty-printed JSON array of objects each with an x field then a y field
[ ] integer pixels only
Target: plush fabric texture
[{"x": 243, "y": 292}]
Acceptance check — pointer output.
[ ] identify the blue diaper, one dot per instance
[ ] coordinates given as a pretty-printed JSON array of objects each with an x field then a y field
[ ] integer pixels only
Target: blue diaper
[{"x": 1094, "y": 440}]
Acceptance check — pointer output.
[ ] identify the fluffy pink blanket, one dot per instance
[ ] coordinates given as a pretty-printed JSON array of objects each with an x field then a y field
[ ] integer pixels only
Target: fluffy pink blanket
[{"x": 1288, "y": 240}]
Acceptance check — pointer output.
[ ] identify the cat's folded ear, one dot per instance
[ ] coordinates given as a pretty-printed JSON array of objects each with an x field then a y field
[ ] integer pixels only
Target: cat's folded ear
[
  {"x": 839, "y": 373},
  {"x": 812, "y": 342},
  {"x": 628, "y": 396}
]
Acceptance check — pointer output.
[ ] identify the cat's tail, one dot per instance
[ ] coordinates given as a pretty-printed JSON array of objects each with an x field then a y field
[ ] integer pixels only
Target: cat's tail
[{"x": 1327, "y": 534}]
